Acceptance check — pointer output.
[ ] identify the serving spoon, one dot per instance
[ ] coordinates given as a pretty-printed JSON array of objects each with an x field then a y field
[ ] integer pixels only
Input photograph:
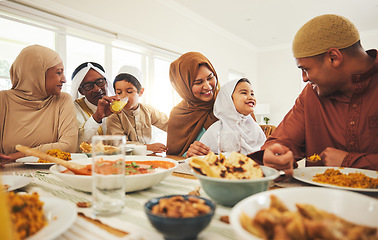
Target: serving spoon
[{"x": 76, "y": 168}]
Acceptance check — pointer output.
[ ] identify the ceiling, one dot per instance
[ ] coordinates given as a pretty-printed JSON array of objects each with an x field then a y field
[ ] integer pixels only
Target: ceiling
[{"x": 270, "y": 23}]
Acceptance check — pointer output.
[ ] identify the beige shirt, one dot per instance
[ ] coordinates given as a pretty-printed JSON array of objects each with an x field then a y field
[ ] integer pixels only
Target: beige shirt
[
  {"x": 136, "y": 124},
  {"x": 50, "y": 128},
  {"x": 28, "y": 115},
  {"x": 87, "y": 126}
]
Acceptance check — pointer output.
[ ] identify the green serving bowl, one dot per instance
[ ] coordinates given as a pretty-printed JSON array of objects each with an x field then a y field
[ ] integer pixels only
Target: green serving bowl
[{"x": 228, "y": 192}]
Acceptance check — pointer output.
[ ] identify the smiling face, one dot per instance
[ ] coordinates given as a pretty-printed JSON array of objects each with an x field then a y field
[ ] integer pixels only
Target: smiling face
[
  {"x": 126, "y": 89},
  {"x": 320, "y": 73},
  {"x": 204, "y": 84},
  {"x": 244, "y": 98},
  {"x": 54, "y": 79},
  {"x": 97, "y": 92}
]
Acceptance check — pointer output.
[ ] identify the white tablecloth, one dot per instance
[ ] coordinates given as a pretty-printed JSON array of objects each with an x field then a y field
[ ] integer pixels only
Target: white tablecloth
[{"x": 132, "y": 219}]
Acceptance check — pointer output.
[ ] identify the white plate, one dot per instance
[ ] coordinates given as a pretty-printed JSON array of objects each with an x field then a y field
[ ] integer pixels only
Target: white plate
[
  {"x": 60, "y": 215},
  {"x": 31, "y": 160},
  {"x": 14, "y": 182},
  {"x": 148, "y": 152},
  {"x": 133, "y": 182},
  {"x": 351, "y": 206},
  {"x": 128, "y": 150},
  {"x": 307, "y": 174}
]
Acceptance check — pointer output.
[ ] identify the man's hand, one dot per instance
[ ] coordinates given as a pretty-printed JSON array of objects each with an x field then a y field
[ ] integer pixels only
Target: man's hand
[
  {"x": 279, "y": 157},
  {"x": 197, "y": 149},
  {"x": 157, "y": 147},
  {"x": 333, "y": 157},
  {"x": 103, "y": 108}
]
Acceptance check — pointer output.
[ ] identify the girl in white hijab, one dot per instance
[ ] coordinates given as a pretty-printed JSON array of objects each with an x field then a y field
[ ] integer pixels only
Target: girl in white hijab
[
  {"x": 35, "y": 112},
  {"x": 233, "y": 106}
]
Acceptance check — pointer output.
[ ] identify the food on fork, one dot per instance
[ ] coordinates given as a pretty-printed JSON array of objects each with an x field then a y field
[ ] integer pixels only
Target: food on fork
[
  {"x": 354, "y": 180},
  {"x": 56, "y": 153},
  {"x": 27, "y": 213},
  {"x": 309, "y": 222},
  {"x": 314, "y": 158},
  {"x": 236, "y": 166}
]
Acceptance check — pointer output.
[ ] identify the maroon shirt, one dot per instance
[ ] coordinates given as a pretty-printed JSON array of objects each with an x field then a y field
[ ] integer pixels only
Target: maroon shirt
[{"x": 348, "y": 124}]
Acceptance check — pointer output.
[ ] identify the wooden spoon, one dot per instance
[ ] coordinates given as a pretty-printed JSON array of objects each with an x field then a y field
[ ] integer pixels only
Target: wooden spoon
[{"x": 74, "y": 167}]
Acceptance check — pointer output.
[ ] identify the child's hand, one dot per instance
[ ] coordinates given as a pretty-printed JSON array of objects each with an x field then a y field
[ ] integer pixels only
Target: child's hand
[
  {"x": 157, "y": 147},
  {"x": 197, "y": 149}
]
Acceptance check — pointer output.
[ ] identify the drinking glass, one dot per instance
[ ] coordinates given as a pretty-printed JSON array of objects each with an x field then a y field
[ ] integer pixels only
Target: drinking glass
[
  {"x": 108, "y": 173},
  {"x": 228, "y": 141},
  {"x": 117, "y": 106}
]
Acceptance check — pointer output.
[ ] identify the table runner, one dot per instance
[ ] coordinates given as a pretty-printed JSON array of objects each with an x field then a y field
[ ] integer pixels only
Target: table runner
[{"x": 132, "y": 219}]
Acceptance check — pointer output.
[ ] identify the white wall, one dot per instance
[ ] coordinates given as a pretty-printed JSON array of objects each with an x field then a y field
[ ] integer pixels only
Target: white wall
[
  {"x": 160, "y": 23},
  {"x": 280, "y": 81}
]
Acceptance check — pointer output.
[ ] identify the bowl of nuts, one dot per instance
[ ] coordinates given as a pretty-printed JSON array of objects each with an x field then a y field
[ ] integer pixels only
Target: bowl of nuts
[{"x": 180, "y": 217}]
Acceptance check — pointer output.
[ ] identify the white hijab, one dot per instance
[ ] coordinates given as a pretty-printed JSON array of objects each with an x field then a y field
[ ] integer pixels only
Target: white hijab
[
  {"x": 252, "y": 136},
  {"x": 76, "y": 81}
]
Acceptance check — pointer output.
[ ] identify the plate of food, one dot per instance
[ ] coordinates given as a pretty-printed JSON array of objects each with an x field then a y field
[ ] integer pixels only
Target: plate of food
[
  {"x": 46, "y": 222},
  {"x": 31, "y": 160},
  {"x": 305, "y": 213},
  {"x": 141, "y": 172},
  {"x": 354, "y": 179},
  {"x": 86, "y": 148},
  {"x": 12, "y": 182}
]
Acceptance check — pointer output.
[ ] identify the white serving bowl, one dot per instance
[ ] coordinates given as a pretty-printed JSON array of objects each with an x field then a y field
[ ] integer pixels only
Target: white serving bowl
[
  {"x": 351, "y": 206},
  {"x": 133, "y": 182}
]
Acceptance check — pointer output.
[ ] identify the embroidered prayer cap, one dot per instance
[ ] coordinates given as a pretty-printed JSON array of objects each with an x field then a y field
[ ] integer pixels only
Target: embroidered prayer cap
[
  {"x": 133, "y": 71},
  {"x": 322, "y": 33}
]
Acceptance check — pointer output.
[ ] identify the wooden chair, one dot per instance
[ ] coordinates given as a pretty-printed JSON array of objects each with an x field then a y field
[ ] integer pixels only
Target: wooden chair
[{"x": 268, "y": 129}]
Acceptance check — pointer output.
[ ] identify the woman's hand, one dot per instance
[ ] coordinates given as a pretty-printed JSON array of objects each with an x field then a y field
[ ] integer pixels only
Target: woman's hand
[
  {"x": 197, "y": 149},
  {"x": 157, "y": 147},
  {"x": 4, "y": 159}
]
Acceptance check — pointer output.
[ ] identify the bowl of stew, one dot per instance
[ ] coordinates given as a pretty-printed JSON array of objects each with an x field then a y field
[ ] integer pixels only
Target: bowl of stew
[{"x": 141, "y": 172}]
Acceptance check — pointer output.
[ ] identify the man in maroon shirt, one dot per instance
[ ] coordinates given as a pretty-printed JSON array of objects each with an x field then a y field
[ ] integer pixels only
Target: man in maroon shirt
[{"x": 336, "y": 115}]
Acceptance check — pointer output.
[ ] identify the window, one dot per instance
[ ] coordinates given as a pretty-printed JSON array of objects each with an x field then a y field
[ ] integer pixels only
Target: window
[
  {"x": 165, "y": 98},
  {"x": 15, "y": 36},
  {"x": 78, "y": 52},
  {"x": 77, "y": 44}
]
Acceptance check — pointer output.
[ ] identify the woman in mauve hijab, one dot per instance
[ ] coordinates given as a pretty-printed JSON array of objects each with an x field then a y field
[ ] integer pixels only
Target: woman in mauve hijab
[
  {"x": 194, "y": 78},
  {"x": 34, "y": 112}
]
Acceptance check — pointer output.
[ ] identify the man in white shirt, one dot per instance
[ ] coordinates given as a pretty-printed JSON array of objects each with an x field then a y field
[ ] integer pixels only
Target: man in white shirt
[{"x": 89, "y": 90}]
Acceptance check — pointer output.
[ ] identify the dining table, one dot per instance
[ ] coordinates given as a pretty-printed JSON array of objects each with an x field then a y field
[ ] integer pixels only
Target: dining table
[{"x": 132, "y": 222}]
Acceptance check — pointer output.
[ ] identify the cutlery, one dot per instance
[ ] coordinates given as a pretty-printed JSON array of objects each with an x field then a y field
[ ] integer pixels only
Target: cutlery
[{"x": 74, "y": 167}]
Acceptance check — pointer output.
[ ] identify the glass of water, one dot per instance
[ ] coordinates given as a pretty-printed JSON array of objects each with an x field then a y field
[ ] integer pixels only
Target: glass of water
[{"x": 108, "y": 173}]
